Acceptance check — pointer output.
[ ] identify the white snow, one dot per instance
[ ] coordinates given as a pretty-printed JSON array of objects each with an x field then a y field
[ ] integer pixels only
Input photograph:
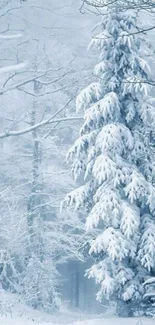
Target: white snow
[
  {"x": 112, "y": 321},
  {"x": 14, "y": 312},
  {"x": 149, "y": 281},
  {"x": 117, "y": 321}
]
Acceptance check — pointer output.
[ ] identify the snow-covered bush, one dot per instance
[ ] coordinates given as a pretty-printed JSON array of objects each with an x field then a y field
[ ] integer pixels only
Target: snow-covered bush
[
  {"x": 27, "y": 263},
  {"x": 115, "y": 155},
  {"x": 39, "y": 286}
]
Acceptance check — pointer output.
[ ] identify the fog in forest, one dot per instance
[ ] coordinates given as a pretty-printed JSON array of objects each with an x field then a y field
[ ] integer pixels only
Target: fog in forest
[{"x": 77, "y": 163}]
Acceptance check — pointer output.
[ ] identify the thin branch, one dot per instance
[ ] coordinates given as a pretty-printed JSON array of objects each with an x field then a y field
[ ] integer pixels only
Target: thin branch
[
  {"x": 140, "y": 31},
  {"x": 24, "y": 82},
  {"x": 38, "y": 125},
  {"x": 50, "y": 120}
]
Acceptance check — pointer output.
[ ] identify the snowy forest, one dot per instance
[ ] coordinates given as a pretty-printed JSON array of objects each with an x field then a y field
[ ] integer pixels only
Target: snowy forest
[{"x": 77, "y": 163}]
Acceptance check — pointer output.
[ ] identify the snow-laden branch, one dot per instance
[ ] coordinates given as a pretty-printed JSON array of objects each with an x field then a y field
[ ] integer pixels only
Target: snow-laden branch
[
  {"x": 14, "y": 67},
  {"x": 11, "y": 36},
  {"x": 149, "y": 281},
  {"x": 149, "y": 295},
  {"x": 51, "y": 120},
  {"x": 38, "y": 125}
]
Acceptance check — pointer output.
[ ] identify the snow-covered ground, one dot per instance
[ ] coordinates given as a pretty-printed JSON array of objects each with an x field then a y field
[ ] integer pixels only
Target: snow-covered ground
[
  {"x": 23, "y": 320},
  {"x": 14, "y": 312}
]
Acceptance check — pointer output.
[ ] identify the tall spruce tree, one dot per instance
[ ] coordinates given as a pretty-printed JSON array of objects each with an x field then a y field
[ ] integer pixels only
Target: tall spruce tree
[{"x": 115, "y": 155}]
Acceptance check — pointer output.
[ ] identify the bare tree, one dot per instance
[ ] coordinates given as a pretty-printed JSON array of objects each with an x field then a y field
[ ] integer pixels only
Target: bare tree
[
  {"x": 137, "y": 5},
  {"x": 33, "y": 167}
]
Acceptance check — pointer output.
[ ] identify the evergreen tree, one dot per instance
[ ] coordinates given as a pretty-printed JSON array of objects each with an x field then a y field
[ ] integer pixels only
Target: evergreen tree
[
  {"x": 115, "y": 155},
  {"x": 149, "y": 297}
]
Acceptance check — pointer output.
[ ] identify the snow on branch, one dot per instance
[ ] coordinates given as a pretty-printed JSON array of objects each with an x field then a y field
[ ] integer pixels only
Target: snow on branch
[
  {"x": 14, "y": 67},
  {"x": 11, "y": 36},
  {"x": 37, "y": 125},
  {"x": 149, "y": 281}
]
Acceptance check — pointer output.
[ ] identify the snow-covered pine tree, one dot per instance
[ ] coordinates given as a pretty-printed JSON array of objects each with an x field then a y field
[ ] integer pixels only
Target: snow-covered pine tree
[
  {"x": 115, "y": 155},
  {"x": 149, "y": 296}
]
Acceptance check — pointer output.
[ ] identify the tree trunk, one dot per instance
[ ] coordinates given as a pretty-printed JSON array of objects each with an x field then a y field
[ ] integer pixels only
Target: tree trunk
[
  {"x": 77, "y": 288},
  {"x": 72, "y": 290},
  {"x": 34, "y": 199},
  {"x": 84, "y": 295}
]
